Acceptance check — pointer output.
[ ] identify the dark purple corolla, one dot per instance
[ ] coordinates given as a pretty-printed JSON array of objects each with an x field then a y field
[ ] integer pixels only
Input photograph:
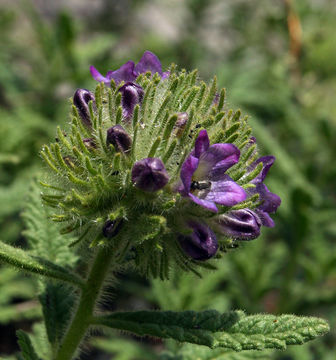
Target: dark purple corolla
[
  {"x": 149, "y": 174},
  {"x": 270, "y": 201},
  {"x": 243, "y": 224},
  {"x": 129, "y": 71},
  {"x": 132, "y": 94},
  {"x": 119, "y": 138},
  {"x": 201, "y": 244},
  {"x": 81, "y": 100},
  {"x": 203, "y": 174}
]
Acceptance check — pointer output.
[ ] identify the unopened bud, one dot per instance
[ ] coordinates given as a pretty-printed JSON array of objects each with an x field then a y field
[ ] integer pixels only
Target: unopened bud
[
  {"x": 181, "y": 122},
  {"x": 149, "y": 174},
  {"x": 201, "y": 244},
  {"x": 132, "y": 94},
  {"x": 81, "y": 100},
  {"x": 243, "y": 224},
  {"x": 111, "y": 228},
  {"x": 90, "y": 143},
  {"x": 119, "y": 138}
]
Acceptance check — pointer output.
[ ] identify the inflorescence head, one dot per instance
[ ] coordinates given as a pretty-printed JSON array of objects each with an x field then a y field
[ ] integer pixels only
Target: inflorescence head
[{"x": 154, "y": 165}]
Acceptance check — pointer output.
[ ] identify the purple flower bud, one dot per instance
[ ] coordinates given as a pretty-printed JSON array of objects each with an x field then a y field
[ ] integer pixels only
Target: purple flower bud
[
  {"x": 81, "y": 100},
  {"x": 181, "y": 122},
  {"x": 90, "y": 143},
  {"x": 149, "y": 174},
  {"x": 119, "y": 138},
  {"x": 201, "y": 244},
  {"x": 111, "y": 228},
  {"x": 241, "y": 224},
  {"x": 132, "y": 94}
]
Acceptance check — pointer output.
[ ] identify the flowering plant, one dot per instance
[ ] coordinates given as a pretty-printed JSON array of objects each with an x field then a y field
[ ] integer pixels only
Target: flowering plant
[{"x": 155, "y": 173}]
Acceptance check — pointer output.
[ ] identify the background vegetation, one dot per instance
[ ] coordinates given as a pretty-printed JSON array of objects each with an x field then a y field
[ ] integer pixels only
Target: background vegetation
[{"x": 277, "y": 60}]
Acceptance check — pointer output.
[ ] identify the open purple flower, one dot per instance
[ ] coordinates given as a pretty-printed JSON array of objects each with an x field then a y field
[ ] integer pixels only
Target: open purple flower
[
  {"x": 270, "y": 201},
  {"x": 149, "y": 174},
  {"x": 203, "y": 174},
  {"x": 243, "y": 224},
  {"x": 201, "y": 244},
  {"x": 129, "y": 71},
  {"x": 131, "y": 95}
]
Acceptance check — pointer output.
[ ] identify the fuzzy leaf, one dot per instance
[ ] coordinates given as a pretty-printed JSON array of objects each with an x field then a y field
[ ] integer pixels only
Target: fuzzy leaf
[
  {"x": 43, "y": 235},
  {"x": 232, "y": 330},
  {"x": 57, "y": 301},
  {"x": 189, "y": 351},
  {"x": 26, "y": 346},
  {"x": 35, "y": 265}
]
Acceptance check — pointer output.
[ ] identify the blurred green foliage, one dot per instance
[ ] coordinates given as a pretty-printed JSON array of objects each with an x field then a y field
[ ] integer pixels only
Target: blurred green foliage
[{"x": 277, "y": 61}]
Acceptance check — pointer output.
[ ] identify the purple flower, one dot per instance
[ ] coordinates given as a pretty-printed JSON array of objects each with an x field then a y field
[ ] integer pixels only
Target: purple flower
[
  {"x": 119, "y": 138},
  {"x": 201, "y": 244},
  {"x": 149, "y": 174},
  {"x": 270, "y": 201},
  {"x": 203, "y": 174},
  {"x": 132, "y": 94},
  {"x": 243, "y": 224},
  {"x": 129, "y": 71},
  {"x": 81, "y": 100}
]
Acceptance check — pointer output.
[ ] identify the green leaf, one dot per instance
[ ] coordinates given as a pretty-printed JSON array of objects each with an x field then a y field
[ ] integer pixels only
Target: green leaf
[
  {"x": 189, "y": 351},
  {"x": 232, "y": 330},
  {"x": 57, "y": 302},
  {"x": 26, "y": 346},
  {"x": 21, "y": 260},
  {"x": 43, "y": 235}
]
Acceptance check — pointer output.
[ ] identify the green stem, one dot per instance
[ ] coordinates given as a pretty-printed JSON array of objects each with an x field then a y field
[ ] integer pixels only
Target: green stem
[{"x": 88, "y": 298}]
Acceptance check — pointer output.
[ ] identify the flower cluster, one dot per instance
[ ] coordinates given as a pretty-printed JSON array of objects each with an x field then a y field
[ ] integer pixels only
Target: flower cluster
[{"x": 155, "y": 166}]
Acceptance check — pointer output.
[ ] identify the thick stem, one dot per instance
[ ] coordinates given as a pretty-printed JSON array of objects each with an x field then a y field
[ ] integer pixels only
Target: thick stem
[{"x": 88, "y": 298}]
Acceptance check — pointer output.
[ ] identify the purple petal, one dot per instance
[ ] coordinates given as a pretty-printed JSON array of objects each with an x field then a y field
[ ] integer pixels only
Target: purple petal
[
  {"x": 207, "y": 204},
  {"x": 225, "y": 192},
  {"x": 98, "y": 76},
  {"x": 242, "y": 224},
  {"x": 216, "y": 160},
  {"x": 201, "y": 244},
  {"x": 148, "y": 62},
  {"x": 266, "y": 220},
  {"x": 202, "y": 143},
  {"x": 267, "y": 163},
  {"x": 270, "y": 200},
  {"x": 124, "y": 73},
  {"x": 188, "y": 168}
]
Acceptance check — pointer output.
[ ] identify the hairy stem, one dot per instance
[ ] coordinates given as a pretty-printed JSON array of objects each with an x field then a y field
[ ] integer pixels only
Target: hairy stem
[{"x": 88, "y": 298}]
